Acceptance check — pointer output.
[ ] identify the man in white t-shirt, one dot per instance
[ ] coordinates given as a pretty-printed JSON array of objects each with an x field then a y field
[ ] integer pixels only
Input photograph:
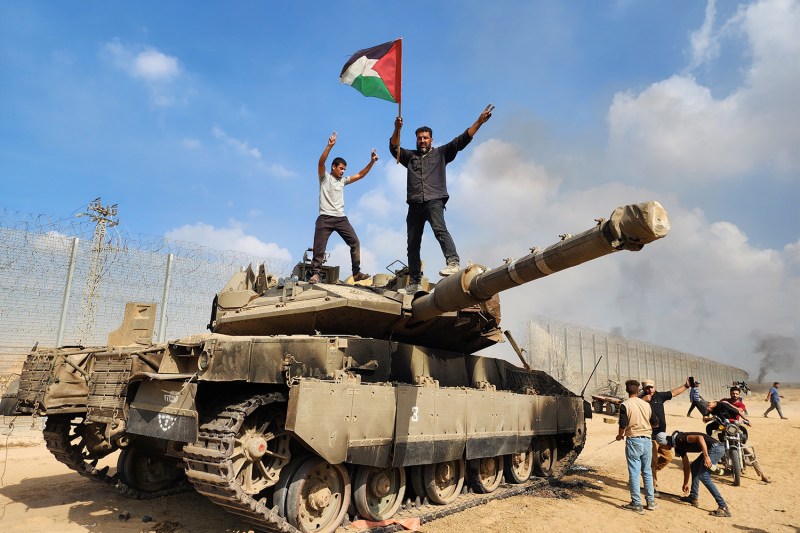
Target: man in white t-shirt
[{"x": 331, "y": 212}]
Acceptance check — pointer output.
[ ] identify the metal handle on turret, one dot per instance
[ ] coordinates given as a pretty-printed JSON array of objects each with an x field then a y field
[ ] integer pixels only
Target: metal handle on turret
[{"x": 629, "y": 227}]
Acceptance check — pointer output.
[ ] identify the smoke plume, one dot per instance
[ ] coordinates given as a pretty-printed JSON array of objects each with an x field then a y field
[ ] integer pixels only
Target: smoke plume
[{"x": 778, "y": 354}]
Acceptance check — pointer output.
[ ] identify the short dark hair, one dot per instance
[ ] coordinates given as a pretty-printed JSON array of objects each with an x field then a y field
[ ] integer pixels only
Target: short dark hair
[
  {"x": 632, "y": 386},
  {"x": 735, "y": 389},
  {"x": 423, "y": 129},
  {"x": 338, "y": 160},
  {"x": 776, "y": 383}
]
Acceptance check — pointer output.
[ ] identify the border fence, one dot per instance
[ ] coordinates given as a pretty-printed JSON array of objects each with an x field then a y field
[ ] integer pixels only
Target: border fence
[
  {"x": 66, "y": 282},
  {"x": 569, "y": 353}
]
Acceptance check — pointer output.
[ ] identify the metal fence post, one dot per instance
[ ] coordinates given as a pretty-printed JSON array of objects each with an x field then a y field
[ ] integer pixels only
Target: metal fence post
[
  {"x": 594, "y": 354},
  {"x": 639, "y": 363},
  {"x": 67, "y": 290},
  {"x": 628, "y": 356},
  {"x": 162, "y": 325}
]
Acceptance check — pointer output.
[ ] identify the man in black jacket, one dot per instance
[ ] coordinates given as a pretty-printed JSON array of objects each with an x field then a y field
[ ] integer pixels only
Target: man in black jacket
[{"x": 426, "y": 192}]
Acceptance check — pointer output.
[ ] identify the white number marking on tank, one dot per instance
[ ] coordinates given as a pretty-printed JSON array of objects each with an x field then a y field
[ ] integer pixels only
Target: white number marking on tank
[
  {"x": 165, "y": 421},
  {"x": 414, "y": 414}
]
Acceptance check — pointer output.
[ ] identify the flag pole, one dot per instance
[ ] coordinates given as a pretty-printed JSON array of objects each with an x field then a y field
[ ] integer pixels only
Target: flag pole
[{"x": 400, "y": 92}]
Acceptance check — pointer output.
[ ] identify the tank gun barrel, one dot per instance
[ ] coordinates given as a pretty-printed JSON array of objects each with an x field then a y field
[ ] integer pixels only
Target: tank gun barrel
[{"x": 629, "y": 227}]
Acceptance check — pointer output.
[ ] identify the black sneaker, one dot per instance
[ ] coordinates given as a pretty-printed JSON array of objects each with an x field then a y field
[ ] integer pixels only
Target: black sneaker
[{"x": 360, "y": 276}]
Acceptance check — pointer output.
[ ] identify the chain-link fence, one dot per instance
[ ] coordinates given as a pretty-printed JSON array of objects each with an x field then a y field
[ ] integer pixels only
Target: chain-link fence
[
  {"x": 569, "y": 353},
  {"x": 66, "y": 283}
]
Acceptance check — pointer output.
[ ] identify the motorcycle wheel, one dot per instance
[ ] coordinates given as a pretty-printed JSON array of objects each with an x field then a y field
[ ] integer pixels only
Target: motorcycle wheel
[{"x": 736, "y": 467}]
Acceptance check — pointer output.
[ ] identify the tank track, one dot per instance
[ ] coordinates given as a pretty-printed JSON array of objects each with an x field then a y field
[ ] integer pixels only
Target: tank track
[
  {"x": 60, "y": 443},
  {"x": 426, "y": 512},
  {"x": 209, "y": 468}
]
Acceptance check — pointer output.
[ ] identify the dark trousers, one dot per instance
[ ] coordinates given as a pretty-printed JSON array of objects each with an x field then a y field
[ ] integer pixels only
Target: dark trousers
[
  {"x": 432, "y": 212},
  {"x": 326, "y": 225}
]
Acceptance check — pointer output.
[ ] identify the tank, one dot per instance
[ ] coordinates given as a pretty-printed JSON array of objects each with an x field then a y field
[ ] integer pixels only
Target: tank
[{"x": 306, "y": 407}]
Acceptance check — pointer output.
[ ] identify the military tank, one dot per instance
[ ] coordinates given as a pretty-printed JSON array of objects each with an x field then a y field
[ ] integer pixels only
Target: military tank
[{"x": 307, "y": 406}]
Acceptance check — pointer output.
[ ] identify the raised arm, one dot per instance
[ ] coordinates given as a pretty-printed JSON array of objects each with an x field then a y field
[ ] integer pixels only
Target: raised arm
[
  {"x": 325, "y": 153},
  {"x": 680, "y": 390},
  {"x": 486, "y": 115},
  {"x": 364, "y": 171}
]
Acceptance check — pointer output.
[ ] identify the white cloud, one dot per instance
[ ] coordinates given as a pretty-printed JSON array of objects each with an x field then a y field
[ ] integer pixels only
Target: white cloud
[
  {"x": 231, "y": 238},
  {"x": 191, "y": 144},
  {"x": 244, "y": 148},
  {"x": 704, "y": 43},
  {"x": 156, "y": 69},
  {"x": 676, "y": 131},
  {"x": 152, "y": 65}
]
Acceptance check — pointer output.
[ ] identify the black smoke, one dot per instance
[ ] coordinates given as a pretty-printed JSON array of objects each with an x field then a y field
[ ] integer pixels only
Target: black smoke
[{"x": 778, "y": 354}]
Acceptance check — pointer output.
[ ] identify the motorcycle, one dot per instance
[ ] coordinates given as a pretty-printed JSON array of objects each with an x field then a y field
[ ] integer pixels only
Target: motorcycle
[{"x": 733, "y": 435}]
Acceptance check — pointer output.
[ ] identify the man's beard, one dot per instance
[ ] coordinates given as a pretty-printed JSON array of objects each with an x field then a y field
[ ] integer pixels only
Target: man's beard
[{"x": 423, "y": 149}]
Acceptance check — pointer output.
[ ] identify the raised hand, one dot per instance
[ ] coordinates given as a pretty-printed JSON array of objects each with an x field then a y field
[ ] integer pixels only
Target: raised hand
[{"x": 487, "y": 114}]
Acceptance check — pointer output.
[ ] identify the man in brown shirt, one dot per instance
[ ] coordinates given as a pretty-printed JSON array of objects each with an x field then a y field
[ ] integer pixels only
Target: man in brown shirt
[{"x": 636, "y": 422}]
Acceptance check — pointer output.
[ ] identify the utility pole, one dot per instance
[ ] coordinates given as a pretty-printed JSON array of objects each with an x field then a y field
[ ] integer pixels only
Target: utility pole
[{"x": 104, "y": 218}]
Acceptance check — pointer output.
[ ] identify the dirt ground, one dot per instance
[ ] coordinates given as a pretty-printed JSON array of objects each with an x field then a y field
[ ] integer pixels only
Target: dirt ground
[{"x": 39, "y": 494}]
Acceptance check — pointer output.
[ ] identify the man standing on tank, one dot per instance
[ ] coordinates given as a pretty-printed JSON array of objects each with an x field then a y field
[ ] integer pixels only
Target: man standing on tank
[
  {"x": 656, "y": 401},
  {"x": 426, "y": 192},
  {"x": 331, "y": 212}
]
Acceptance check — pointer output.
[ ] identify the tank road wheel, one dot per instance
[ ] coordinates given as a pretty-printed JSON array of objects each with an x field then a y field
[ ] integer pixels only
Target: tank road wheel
[
  {"x": 598, "y": 406},
  {"x": 147, "y": 471},
  {"x": 443, "y": 481},
  {"x": 544, "y": 456},
  {"x": 519, "y": 466},
  {"x": 286, "y": 476},
  {"x": 378, "y": 492},
  {"x": 260, "y": 450},
  {"x": 610, "y": 408},
  {"x": 485, "y": 474},
  {"x": 318, "y": 496}
]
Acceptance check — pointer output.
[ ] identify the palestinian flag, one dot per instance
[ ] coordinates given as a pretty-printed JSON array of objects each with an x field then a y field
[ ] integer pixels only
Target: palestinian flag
[{"x": 376, "y": 71}]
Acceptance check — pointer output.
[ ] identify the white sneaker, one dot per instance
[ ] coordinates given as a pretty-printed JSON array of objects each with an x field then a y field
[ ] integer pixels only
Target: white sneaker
[{"x": 450, "y": 269}]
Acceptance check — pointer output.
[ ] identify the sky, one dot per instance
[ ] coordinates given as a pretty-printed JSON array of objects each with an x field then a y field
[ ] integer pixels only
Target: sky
[{"x": 204, "y": 122}]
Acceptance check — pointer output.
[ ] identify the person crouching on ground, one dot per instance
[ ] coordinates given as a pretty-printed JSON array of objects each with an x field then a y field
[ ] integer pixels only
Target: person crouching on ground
[
  {"x": 331, "y": 212},
  {"x": 636, "y": 422},
  {"x": 711, "y": 451}
]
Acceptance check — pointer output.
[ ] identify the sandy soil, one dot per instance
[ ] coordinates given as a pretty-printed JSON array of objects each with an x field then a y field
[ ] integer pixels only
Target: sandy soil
[{"x": 39, "y": 494}]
